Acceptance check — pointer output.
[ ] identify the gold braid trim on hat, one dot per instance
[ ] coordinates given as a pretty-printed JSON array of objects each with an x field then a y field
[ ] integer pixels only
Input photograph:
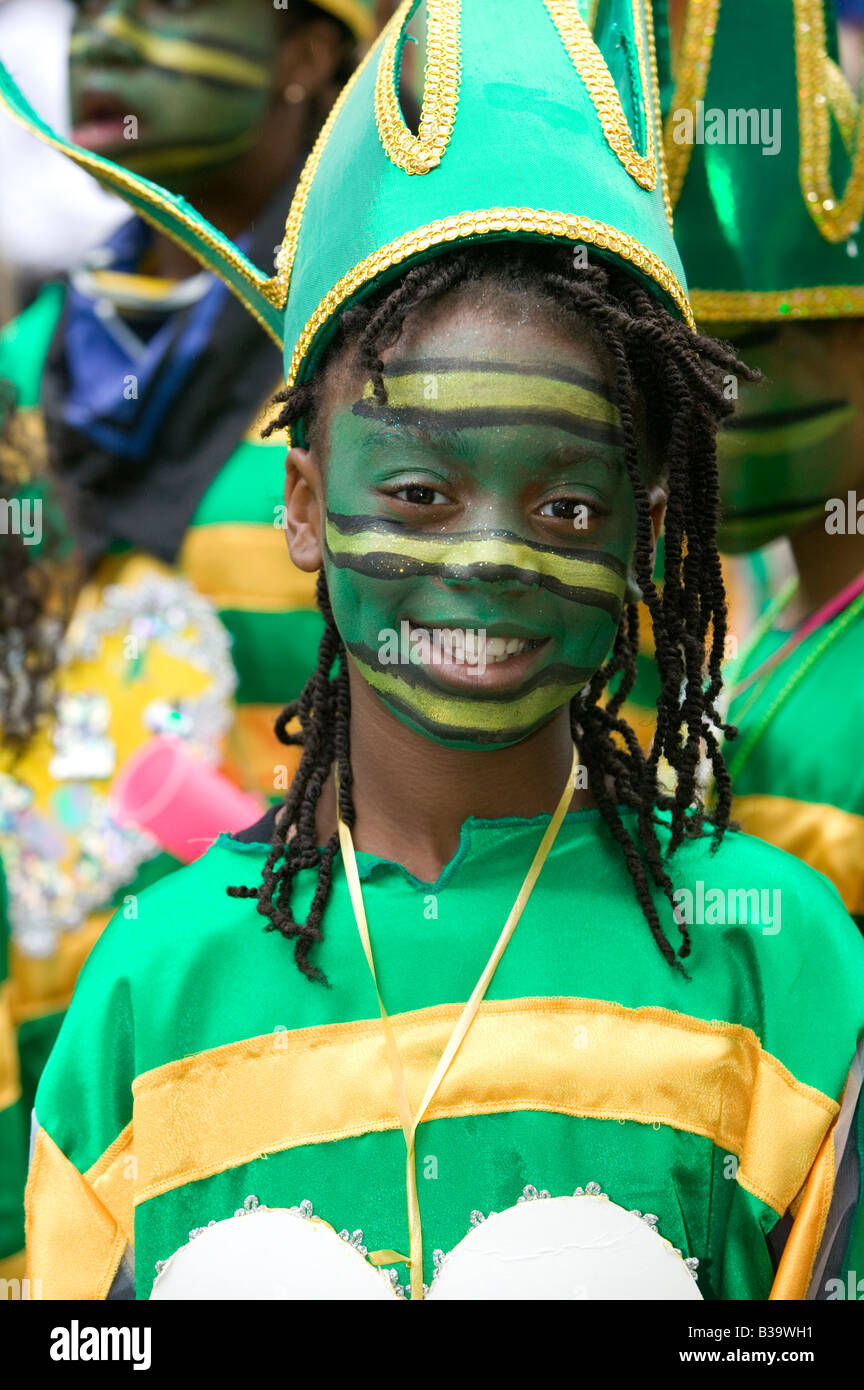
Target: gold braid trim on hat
[
  {"x": 591, "y": 66},
  {"x": 694, "y": 62},
  {"x": 489, "y": 222},
  {"x": 417, "y": 154},
  {"x": 836, "y": 218}
]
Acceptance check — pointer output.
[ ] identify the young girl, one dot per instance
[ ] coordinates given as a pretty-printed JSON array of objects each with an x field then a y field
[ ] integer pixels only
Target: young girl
[{"x": 621, "y": 1002}]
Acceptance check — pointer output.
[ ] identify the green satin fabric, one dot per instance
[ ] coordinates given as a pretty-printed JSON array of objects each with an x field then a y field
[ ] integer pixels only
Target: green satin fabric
[{"x": 807, "y": 751}]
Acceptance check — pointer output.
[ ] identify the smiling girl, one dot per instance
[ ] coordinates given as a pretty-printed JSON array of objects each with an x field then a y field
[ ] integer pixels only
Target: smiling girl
[{"x": 491, "y": 990}]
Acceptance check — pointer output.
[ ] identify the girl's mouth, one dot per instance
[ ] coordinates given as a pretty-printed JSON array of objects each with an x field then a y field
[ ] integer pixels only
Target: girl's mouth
[
  {"x": 474, "y": 658},
  {"x": 103, "y": 122}
]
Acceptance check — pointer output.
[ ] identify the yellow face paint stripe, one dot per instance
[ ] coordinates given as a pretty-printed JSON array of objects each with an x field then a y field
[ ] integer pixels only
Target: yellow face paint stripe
[
  {"x": 443, "y": 550},
  {"x": 180, "y": 55},
  {"x": 491, "y": 715},
  {"x": 222, "y": 1108},
  {"x": 501, "y": 390}
]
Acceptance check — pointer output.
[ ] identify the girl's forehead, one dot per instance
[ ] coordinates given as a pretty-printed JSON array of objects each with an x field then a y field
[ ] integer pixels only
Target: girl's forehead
[{"x": 503, "y": 329}]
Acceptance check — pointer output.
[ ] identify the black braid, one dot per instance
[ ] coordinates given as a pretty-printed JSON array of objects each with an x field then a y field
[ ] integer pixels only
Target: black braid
[{"x": 668, "y": 384}]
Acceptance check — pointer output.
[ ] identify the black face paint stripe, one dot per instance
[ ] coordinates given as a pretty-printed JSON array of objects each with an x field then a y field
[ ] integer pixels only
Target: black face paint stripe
[
  {"x": 381, "y": 565},
  {"x": 351, "y": 525}
]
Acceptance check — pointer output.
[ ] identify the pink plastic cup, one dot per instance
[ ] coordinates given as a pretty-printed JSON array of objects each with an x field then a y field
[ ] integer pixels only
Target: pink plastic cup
[{"x": 179, "y": 799}]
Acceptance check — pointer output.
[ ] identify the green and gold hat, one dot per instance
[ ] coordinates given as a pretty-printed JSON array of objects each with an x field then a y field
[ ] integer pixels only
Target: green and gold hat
[
  {"x": 765, "y": 153},
  {"x": 539, "y": 120}
]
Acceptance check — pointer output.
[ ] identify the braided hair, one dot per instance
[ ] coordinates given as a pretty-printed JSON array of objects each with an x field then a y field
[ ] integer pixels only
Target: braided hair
[{"x": 669, "y": 389}]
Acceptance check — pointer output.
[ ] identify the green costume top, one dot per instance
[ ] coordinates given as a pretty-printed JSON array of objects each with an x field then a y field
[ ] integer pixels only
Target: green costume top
[
  {"x": 797, "y": 782},
  {"x": 703, "y": 1102}
]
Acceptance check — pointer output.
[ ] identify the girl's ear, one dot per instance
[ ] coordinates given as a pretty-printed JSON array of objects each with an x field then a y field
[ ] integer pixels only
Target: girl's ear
[{"x": 303, "y": 507}]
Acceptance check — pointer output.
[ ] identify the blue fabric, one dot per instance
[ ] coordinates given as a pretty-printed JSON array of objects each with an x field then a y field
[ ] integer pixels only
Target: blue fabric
[{"x": 100, "y": 367}]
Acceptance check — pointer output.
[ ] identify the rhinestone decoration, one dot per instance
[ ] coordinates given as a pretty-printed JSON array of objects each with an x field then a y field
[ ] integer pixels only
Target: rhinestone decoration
[
  {"x": 400, "y": 1290},
  {"x": 354, "y": 1238},
  {"x": 530, "y": 1194},
  {"x": 251, "y": 1205},
  {"x": 66, "y": 858}
]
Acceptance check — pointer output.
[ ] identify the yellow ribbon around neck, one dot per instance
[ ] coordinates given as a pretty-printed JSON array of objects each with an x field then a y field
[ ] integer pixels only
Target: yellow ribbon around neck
[{"x": 411, "y": 1122}]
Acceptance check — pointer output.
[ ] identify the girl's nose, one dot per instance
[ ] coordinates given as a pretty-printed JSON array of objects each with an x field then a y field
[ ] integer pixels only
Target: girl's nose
[{"x": 497, "y": 579}]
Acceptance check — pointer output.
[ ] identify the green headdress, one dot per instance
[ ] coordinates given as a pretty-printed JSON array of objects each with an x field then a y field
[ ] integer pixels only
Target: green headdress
[
  {"x": 766, "y": 235},
  {"x": 533, "y": 125}
]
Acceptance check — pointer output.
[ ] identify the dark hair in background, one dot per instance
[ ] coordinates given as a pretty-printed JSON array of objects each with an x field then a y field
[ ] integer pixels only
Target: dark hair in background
[
  {"x": 36, "y": 587},
  {"x": 668, "y": 378}
]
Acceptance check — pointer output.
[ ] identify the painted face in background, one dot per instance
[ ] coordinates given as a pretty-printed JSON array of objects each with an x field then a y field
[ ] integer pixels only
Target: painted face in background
[
  {"x": 797, "y": 438},
  {"x": 165, "y": 87},
  {"x": 489, "y": 497}
]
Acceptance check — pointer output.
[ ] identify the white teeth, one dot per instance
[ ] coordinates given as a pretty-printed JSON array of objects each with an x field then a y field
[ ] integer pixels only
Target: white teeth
[
  {"x": 472, "y": 646},
  {"x": 496, "y": 648}
]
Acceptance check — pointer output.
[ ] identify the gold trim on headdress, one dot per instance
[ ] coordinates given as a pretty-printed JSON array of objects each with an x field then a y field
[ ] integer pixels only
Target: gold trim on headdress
[
  {"x": 538, "y": 221},
  {"x": 591, "y": 66},
  {"x": 417, "y": 154}
]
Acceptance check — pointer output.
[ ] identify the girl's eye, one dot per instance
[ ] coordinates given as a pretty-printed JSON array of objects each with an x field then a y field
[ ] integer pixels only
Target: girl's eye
[
  {"x": 569, "y": 509},
  {"x": 421, "y": 495}
]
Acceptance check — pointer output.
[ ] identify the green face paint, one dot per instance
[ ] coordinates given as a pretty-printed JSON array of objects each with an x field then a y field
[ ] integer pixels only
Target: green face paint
[
  {"x": 793, "y": 443},
  {"x": 485, "y": 498},
  {"x": 177, "y": 90},
  {"x": 777, "y": 471}
]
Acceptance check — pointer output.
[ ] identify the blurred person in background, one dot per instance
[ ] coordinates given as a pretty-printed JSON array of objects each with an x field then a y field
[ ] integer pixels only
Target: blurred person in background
[
  {"x": 769, "y": 230},
  {"x": 55, "y": 212},
  {"x": 134, "y": 390}
]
